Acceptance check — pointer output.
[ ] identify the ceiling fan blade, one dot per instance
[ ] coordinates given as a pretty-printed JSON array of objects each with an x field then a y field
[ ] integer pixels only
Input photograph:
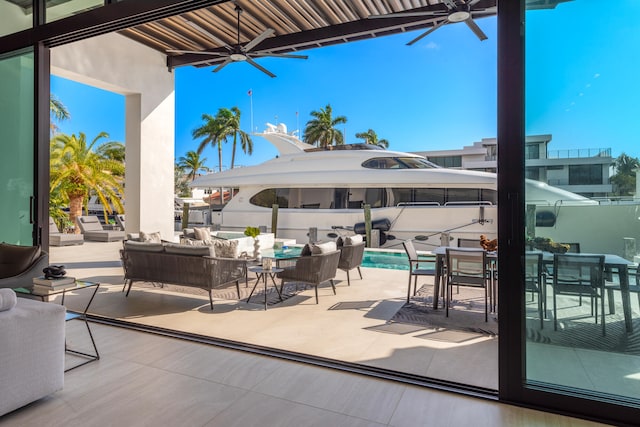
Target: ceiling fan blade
[
  {"x": 253, "y": 43},
  {"x": 426, "y": 33},
  {"x": 196, "y": 52},
  {"x": 408, "y": 14},
  {"x": 279, "y": 55},
  {"x": 476, "y": 30},
  {"x": 224, "y": 64},
  {"x": 260, "y": 67}
]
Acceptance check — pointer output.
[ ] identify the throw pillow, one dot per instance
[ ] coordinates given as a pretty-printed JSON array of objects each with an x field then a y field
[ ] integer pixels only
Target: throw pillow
[
  {"x": 323, "y": 248},
  {"x": 225, "y": 248},
  {"x": 151, "y": 237},
  {"x": 8, "y": 299},
  {"x": 202, "y": 233},
  {"x": 353, "y": 240},
  {"x": 306, "y": 250}
]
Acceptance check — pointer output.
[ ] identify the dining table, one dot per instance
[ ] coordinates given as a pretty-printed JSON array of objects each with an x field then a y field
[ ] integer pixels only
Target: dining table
[{"x": 613, "y": 264}]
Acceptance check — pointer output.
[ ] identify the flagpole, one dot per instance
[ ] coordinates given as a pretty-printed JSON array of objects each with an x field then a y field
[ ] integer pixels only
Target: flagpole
[{"x": 251, "y": 107}]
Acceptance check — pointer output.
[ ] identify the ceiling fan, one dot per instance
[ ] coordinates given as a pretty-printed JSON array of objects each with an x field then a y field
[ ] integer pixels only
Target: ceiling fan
[
  {"x": 239, "y": 52},
  {"x": 457, "y": 11}
]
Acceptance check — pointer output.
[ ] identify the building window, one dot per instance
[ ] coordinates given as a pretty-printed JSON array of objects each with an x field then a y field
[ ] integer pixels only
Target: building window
[
  {"x": 531, "y": 151},
  {"x": 585, "y": 174},
  {"x": 447, "y": 161}
]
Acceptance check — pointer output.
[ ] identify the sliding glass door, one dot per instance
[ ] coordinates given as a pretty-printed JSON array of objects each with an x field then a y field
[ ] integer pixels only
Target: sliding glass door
[
  {"x": 581, "y": 311},
  {"x": 17, "y": 147}
]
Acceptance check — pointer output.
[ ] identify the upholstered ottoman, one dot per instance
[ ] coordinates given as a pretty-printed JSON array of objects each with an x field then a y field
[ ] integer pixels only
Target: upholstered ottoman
[{"x": 31, "y": 351}]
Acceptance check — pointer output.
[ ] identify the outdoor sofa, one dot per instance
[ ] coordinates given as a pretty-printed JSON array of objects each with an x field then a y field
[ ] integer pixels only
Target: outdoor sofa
[{"x": 184, "y": 265}]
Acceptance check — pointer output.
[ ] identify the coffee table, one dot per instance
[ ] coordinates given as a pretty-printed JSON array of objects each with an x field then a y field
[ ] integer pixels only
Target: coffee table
[
  {"x": 82, "y": 315},
  {"x": 262, "y": 274}
]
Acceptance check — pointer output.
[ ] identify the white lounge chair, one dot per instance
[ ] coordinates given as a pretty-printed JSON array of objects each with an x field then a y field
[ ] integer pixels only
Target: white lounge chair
[{"x": 56, "y": 238}]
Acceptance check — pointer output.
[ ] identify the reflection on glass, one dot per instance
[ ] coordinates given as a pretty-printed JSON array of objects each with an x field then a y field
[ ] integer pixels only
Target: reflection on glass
[
  {"x": 58, "y": 9},
  {"x": 16, "y": 141},
  {"x": 581, "y": 94},
  {"x": 15, "y": 16}
]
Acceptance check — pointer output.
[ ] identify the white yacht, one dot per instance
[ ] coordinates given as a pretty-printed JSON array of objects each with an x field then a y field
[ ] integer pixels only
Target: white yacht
[{"x": 410, "y": 198}]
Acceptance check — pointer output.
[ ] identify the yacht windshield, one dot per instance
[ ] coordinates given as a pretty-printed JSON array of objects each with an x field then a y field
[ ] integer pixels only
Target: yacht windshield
[{"x": 398, "y": 163}]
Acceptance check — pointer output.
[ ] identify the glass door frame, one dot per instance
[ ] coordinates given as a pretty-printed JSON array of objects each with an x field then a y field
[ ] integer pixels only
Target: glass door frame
[{"x": 511, "y": 226}]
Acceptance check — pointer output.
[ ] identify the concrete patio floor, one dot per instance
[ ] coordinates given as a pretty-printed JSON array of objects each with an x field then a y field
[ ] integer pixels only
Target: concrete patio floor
[{"x": 298, "y": 324}]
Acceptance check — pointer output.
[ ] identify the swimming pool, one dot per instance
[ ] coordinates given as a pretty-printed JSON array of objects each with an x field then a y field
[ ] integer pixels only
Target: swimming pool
[{"x": 373, "y": 258}]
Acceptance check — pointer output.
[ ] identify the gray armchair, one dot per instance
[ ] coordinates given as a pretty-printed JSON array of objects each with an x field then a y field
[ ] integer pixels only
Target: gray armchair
[
  {"x": 312, "y": 270},
  {"x": 19, "y": 265},
  {"x": 351, "y": 257}
]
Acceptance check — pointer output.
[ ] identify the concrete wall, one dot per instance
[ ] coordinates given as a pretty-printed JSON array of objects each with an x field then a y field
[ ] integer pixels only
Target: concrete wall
[{"x": 118, "y": 64}]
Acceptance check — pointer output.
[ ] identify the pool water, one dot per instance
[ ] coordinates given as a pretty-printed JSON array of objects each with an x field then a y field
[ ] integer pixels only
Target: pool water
[
  {"x": 373, "y": 258},
  {"x": 383, "y": 259}
]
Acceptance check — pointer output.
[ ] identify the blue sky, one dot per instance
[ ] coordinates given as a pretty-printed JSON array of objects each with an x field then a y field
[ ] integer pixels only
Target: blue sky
[{"x": 438, "y": 94}]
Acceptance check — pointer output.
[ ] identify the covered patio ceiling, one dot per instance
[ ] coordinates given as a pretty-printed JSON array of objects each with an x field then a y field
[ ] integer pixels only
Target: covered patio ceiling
[{"x": 296, "y": 24}]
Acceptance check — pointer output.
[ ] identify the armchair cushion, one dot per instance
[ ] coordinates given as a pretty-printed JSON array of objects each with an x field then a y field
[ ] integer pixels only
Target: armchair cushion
[
  {"x": 15, "y": 259},
  {"x": 353, "y": 240},
  {"x": 323, "y": 248}
]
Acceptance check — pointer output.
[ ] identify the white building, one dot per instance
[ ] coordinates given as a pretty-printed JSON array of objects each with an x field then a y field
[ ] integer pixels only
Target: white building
[{"x": 584, "y": 171}]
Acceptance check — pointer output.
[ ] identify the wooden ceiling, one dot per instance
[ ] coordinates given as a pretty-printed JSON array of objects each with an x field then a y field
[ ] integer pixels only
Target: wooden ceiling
[{"x": 297, "y": 25}]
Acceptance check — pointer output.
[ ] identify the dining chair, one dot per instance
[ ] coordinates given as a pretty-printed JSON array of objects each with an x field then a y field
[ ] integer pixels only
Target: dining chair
[
  {"x": 535, "y": 282},
  {"x": 469, "y": 268},
  {"x": 469, "y": 243},
  {"x": 415, "y": 269},
  {"x": 579, "y": 275}
]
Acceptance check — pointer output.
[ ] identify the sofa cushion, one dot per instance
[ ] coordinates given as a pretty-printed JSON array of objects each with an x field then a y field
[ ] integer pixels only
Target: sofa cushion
[
  {"x": 154, "y": 237},
  {"x": 174, "y": 248},
  {"x": 202, "y": 233},
  {"x": 8, "y": 299},
  {"x": 15, "y": 259},
  {"x": 323, "y": 248},
  {"x": 132, "y": 245},
  {"x": 353, "y": 240}
]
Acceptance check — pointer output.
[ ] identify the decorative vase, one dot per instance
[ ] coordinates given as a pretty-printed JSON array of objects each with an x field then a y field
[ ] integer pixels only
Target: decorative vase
[{"x": 256, "y": 249}]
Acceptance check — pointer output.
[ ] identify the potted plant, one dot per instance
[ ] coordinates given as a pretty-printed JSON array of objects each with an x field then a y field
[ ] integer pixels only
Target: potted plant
[{"x": 254, "y": 232}]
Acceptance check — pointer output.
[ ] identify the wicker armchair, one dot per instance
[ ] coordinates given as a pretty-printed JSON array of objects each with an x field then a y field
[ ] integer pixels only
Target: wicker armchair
[
  {"x": 312, "y": 270},
  {"x": 350, "y": 258}
]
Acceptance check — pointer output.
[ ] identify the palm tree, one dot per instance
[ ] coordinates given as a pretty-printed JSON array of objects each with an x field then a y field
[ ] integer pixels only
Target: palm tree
[
  {"x": 77, "y": 170},
  {"x": 211, "y": 131},
  {"x": 371, "y": 137},
  {"x": 321, "y": 130},
  {"x": 113, "y": 150},
  {"x": 625, "y": 176},
  {"x": 191, "y": 163},
  {"x": 58, "y": 113},
  {"x": 230, "y": 118}
]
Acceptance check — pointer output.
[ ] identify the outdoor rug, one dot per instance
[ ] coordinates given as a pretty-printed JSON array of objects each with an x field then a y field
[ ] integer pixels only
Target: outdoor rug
[
  {"x": 577, "y": 329},
  {"x": 466, "y": 313}
]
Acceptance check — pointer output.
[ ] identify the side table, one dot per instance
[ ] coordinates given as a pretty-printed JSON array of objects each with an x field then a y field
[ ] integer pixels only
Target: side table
[
  {"x": 262, "y": 274},
  {"x": 80, "y": 285}
]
